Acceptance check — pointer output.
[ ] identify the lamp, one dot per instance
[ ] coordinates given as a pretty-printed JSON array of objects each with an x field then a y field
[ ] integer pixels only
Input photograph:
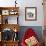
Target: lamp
[{"x": 15, "y": 30}]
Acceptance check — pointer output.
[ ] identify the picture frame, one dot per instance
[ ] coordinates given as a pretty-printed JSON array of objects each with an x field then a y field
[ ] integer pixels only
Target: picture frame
[
  {"x": 30, "y": 13},
  {"x": 5, "y": 12}
]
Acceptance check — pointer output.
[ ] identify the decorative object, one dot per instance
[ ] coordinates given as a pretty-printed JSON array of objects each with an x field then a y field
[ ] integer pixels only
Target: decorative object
[
  {"x": 6, "y": 21},
  {"x": 13, "y": 12},
  {"x": 7, "y": 34},
  {"x": 15, "y": 36},
  {"x": 15, "y": 30},
  {"x": 5, "y": 12},
  {"x": 30, "y": 13},
  {"x": 15, "y": 3}
]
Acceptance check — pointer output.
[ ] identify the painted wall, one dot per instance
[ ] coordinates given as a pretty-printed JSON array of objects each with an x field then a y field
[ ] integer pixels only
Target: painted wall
[{"x": 26, "y": 3}]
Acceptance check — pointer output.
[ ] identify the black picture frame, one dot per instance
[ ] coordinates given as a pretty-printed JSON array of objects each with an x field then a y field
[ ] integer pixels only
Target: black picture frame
[{"x": 30, "y": 13}]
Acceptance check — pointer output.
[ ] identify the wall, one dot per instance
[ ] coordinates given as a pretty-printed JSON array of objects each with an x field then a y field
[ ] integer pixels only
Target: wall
[
  {"x": 26, "y": 3},
  {"x": 32, "y": 3}
]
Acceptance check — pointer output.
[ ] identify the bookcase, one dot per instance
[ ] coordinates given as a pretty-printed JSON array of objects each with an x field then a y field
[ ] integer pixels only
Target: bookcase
[{"x": 9, "y": 26}]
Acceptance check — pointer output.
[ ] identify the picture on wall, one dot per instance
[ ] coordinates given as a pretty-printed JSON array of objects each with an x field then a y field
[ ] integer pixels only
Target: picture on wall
[{"x": 30, "y": 13}]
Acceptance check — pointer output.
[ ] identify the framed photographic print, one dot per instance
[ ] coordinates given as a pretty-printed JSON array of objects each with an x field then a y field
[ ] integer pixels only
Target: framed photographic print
[
  {"x": 5, "y": 12},
  {"x": 30, "y": 13}
]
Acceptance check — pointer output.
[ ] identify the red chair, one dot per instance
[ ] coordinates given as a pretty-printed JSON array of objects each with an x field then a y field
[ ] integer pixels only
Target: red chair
[{"x": 29, "y": 33}]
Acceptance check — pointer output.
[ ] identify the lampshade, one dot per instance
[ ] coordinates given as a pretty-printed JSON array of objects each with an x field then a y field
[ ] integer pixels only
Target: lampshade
[{"x": 15, "y": 30}]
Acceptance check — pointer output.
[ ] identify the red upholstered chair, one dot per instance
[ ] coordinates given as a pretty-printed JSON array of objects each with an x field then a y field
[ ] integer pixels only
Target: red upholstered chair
[{"x": 28, "y": 38}]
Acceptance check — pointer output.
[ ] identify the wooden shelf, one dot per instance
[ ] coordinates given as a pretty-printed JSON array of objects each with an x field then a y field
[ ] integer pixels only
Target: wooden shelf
[
  {"x": 11, "y": 26},
  {"x": 9, "y": 43},
  {"x": 9, "y": 9},
  {"x": 5, "y": 12}
]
